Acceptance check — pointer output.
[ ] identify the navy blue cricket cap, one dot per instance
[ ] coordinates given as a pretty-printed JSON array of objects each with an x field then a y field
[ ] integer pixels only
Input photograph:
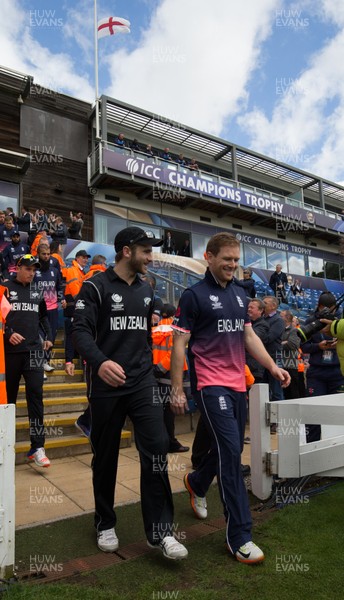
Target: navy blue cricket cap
[{"x": 135, "y": 235}]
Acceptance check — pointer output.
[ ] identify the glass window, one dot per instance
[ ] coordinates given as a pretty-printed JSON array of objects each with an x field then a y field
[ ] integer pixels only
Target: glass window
[
  {"x": 276, "y": 257},
  {"x": 199, "y": 244},
  {"x": 332, "y": 270},
  {"x": 106, "y": 228},
  {"x": 316, "y": 266},
  {"x": 296, "y": 264},
  {"x": 254, "y": 256},
  {"x": 9, "y": 196}
]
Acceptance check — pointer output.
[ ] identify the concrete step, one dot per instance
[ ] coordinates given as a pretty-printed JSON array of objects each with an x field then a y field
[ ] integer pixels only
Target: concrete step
[
  {"x": 60, "y": 447},
  {"x": 58, "y": 389},
  {"x": 63, "y": 404},
  {"x": 60, "y": 376},
  {"x": 55, "y": 425}
]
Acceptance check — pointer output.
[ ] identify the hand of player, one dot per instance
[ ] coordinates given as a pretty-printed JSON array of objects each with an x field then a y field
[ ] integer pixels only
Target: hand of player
[
  {"x": 16, "y": 339},
  {"x": 280, "y": 374},
  {"x": 178, "y": 403},
  {"x": 70, "y": 368},
  {"x": 47, "y": 345},
  {"x": 112, "y": 373}
]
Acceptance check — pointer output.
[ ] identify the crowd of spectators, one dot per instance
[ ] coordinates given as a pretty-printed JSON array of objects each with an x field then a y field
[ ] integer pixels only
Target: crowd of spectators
[
  {"x": 148, "y": 149},
  {"x": 37, "y": 226}
]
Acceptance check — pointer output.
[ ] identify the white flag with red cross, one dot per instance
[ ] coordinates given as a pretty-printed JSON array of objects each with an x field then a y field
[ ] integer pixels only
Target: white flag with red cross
[{"x": 113, "y": 25}]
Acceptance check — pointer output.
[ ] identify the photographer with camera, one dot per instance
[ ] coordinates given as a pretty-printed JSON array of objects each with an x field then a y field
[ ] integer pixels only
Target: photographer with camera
[
  {"x": 324, "y": 375},
  {"x": 336, "y": 328}
]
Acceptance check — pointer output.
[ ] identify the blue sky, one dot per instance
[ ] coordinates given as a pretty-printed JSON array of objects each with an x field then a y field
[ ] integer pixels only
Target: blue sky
[{"x": 265, "y": 74}]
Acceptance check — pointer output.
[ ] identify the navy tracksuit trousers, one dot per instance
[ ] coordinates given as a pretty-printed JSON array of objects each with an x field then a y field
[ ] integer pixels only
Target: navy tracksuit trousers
[{"x": 224, "y": 413}]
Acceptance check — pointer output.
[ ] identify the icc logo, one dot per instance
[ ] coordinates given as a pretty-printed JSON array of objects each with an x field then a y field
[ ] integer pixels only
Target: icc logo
[{"x": 132, "y": 165}]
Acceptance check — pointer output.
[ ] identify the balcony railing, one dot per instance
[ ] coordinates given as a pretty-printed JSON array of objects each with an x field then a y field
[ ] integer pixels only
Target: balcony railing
[{"x": 95, "y": 168}]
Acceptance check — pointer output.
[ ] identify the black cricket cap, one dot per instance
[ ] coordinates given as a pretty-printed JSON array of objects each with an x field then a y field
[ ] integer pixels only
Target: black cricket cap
[
  {"x": 27, "y": 260},
  {"x": 135, "y": 235},
  {"x": 82, "y": 253}
]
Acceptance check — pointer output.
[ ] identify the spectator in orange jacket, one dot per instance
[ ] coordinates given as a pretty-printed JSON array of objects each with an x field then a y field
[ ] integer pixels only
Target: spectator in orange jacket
[
  {"x": 98, "y": 266},
  {"x": 74, "y": 277}
]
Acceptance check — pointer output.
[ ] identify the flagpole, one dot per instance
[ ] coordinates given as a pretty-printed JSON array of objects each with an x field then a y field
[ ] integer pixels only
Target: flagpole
[{"x": 96, "y": 81}]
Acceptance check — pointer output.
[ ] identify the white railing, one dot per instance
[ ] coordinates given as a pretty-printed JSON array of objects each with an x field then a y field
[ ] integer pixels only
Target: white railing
[
  {"x": 294, "y": 457},
  {"x": 7, "y": 490}
]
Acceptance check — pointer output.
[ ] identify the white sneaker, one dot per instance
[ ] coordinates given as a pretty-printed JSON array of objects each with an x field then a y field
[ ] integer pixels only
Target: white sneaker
[
  {"x": 249, "y": 553},
  {"x": 198, "y": 503},
  {"x": 107, "y": 540},
  {"x": 48, "y": 368},
  {"x": 39, "y": 457},
  {"x": 170, "y": 548},
  {"x": 45, "y": 377}
]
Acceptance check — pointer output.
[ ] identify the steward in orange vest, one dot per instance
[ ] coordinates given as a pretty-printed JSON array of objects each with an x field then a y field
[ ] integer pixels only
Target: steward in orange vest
[
  {"x": 74, "y": 277},
  {"x": 162, "y": 338}
]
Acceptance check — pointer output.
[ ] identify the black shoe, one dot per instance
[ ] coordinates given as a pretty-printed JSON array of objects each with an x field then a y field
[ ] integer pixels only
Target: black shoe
[
  {"x": 179, "y": 448},
  {"x": 245, "y": 470}
]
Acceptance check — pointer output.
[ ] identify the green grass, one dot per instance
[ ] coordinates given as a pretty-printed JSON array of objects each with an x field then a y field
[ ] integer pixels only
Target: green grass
[{"x": 302, "y": 543}]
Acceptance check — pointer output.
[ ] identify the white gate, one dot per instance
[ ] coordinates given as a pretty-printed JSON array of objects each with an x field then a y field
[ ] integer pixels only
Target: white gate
[
  {"x": 7, "y": 489},
  {"x": 294, "y": 458}
]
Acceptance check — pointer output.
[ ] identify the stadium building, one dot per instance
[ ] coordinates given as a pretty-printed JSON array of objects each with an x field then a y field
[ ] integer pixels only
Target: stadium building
[{"x": 53, "y": 154}]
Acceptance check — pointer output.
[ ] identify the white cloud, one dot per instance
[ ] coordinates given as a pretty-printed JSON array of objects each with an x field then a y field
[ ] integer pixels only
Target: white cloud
[
  {"x": 21, "y": 52},
  {"x": 306, "y": 126},
  {"x": 194, "y": 61}
]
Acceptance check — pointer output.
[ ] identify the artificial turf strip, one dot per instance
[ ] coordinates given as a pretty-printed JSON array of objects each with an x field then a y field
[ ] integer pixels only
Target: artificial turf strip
[{"x": 303, "y": 546}]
